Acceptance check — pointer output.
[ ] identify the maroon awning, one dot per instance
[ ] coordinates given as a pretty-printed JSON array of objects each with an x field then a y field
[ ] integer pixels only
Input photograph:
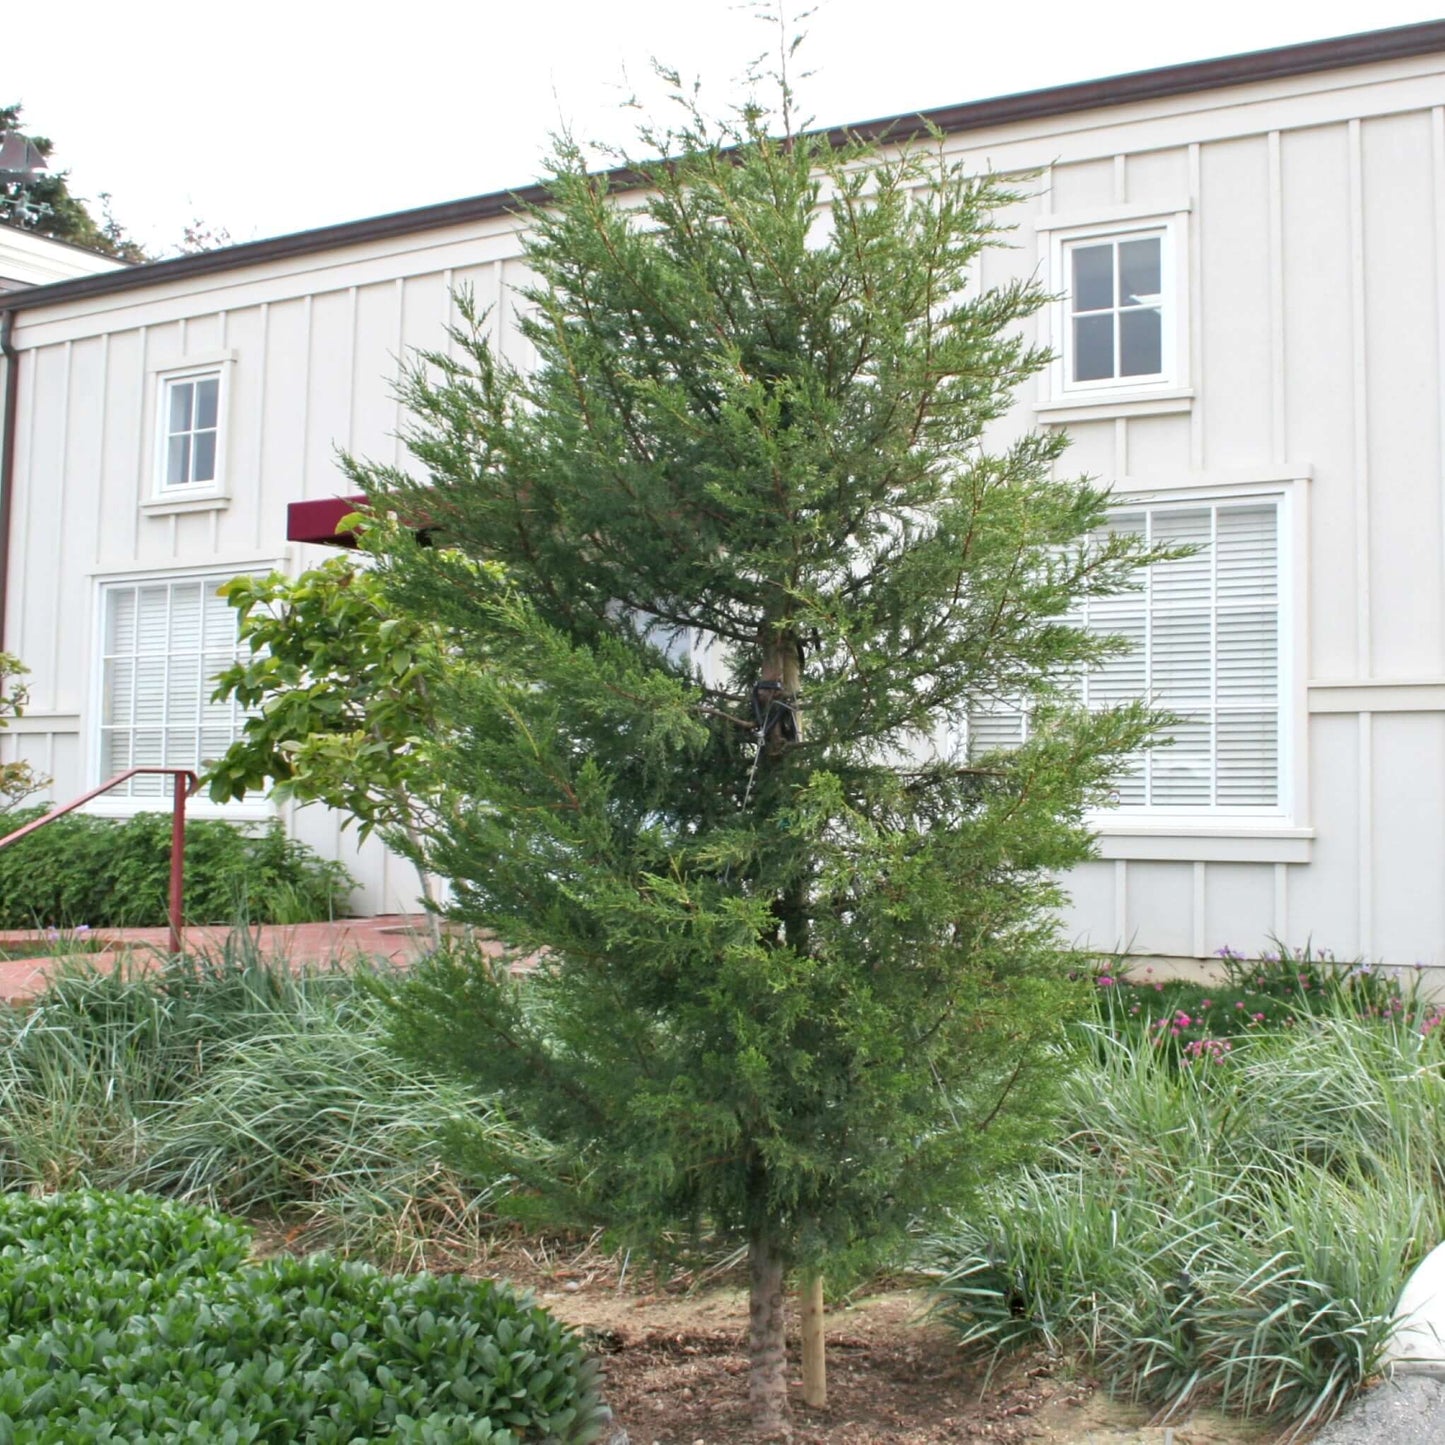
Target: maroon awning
[{"x": 319, "y": 521}]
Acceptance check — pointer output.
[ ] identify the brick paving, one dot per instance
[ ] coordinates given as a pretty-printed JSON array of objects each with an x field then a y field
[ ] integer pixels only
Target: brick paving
[{"x": 395, "y": 937}]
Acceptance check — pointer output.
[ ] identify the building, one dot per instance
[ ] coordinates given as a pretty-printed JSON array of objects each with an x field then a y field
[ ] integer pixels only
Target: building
[
  {"x": 1249, "y": 256},
  {"x": 30, "y": 260}
]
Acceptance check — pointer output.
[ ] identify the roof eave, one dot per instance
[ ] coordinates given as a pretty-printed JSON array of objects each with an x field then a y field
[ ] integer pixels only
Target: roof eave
[{"x": 1311, "y": 57}]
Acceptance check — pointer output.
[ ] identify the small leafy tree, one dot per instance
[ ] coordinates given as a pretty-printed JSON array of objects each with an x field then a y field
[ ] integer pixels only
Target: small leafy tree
[
  {"x": 341, "y": 698},
  {"x": 800, "y": 971},
  {"x": 18, "y": 780}
]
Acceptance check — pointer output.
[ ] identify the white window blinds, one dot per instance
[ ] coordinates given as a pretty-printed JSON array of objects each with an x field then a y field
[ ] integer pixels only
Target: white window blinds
[
  {"x": 1204, "y": 645},
  {"x": 163, "y": 644}
]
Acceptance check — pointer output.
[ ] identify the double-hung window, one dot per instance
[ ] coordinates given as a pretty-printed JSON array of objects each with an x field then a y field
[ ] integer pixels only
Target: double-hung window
[
  {"x": 163, "y": 642},
  {"x": 1204, "y": 644}
]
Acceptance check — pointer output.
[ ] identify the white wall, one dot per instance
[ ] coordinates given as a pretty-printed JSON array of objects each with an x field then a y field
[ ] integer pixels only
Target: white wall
[{"x": 1314, "y": 212}]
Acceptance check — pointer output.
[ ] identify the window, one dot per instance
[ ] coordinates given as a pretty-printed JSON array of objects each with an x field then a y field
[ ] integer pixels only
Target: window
[
  {"x": 190, "y": 411},
  {"x": 163, "y": 642},
  {"x": 1118, "y": 326},
  {"x": 1205, "y": 639},
  {"x": 188, "y": 436},
  {"x": 1116, "y": 309}
]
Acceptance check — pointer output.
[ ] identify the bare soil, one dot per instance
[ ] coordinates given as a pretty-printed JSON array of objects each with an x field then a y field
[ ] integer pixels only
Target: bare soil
[{"x": 674, "y": 1361}]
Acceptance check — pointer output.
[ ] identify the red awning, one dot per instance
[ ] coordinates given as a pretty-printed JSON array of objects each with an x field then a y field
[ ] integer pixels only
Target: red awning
[{"x": 318, "y": 521}]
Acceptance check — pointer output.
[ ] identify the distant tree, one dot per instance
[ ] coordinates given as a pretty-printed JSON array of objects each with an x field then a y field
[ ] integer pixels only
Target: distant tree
[
  {"x": 202, "y": 236},
  {"x": 43, "y": 204},
  {"x": 799, "y": 963}
]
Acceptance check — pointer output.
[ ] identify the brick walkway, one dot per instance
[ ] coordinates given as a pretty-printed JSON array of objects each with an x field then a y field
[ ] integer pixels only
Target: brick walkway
[{"x": 395, "y": 937}]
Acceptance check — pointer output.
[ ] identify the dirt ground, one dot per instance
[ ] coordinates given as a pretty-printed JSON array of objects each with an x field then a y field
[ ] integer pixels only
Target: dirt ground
[{"x": 675, "y": 1369}]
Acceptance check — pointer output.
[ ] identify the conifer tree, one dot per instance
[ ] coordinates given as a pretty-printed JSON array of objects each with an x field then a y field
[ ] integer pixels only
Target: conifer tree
[{"x": 751, "y": 560}]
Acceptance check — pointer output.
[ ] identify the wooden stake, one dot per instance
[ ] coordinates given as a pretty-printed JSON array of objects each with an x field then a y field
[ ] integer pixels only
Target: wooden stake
[{"x": 815, "y": 1364}]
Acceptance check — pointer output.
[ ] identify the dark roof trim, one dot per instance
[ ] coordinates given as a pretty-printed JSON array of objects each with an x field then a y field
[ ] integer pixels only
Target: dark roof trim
[{"x": 1312, "y": 57}]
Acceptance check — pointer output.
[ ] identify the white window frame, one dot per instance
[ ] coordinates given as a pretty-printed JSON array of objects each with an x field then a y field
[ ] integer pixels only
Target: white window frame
[
  {"x": 1267, "y": 834},
  {"x": 1281, "y": 833},
  {"x": 161, "y": 496},
  {"x": 1064, "y": 399},
  {"x": 254, "y": 807}
]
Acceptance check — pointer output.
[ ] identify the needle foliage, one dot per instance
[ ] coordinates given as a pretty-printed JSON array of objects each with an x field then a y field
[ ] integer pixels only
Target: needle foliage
[{"x": 793, "y": 979}]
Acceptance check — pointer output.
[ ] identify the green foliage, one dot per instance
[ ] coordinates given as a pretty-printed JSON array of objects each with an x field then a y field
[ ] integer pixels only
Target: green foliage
[
  {"x": 1235, "y": 1231},
  {"x": 232, "y": 1080},
  {"x": 43, "y": 203},
  {"x": 804, "y": 989},
  {"x": 339, "y": 693},
  {"x": 106, "y": 873},
  {"x": 132, "y": 1319},
  {"x": 17, "y": 779}
]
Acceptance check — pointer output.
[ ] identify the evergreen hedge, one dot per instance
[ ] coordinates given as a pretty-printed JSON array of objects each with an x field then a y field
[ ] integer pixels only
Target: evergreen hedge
[{"x": 106, "y": 873}]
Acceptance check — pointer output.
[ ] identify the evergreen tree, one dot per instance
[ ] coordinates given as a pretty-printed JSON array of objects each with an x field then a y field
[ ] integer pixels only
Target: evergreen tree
[
  {"x": 42, "y": 202},
  {"x": 799, "y": 974}
]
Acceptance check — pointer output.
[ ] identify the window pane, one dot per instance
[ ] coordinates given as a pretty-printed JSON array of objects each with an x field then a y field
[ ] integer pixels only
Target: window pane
[
  {"x": 1139, "y": 283},
  {"x": 203, "y": 468},
  {"x": 120, "y": 620},
  {"x": 182, "y": 394},
  {"x": 1180, "y": 770},
  {"x": 178, "y": 461},
  {"x": 1248, "y": 759},
  {"x": 1093, "y": 277},
  {"x": 208, "y": 390},
  {"x": 1141, "y": 342},
  {"x": 1093, "y": 347}
]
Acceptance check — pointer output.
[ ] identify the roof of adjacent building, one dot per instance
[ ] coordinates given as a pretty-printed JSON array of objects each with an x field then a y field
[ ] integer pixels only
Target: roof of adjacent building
[{"x": 1312, "y": 57}]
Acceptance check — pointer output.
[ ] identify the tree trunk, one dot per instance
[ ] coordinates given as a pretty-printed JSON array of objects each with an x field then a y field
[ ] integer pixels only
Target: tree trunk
[
  {"x": 767, "y": 1341},
  {"x": 815, "y": 1361}
]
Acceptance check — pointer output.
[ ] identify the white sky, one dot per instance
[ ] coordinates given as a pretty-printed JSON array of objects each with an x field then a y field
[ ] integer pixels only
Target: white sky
[{"x": 266, "y": 117}]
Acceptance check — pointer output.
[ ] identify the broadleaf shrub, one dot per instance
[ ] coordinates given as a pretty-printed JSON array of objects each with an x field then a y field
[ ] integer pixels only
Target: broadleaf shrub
[
  {"x": 138, "y": 1320},
  {"x": 108, "y": 873}
]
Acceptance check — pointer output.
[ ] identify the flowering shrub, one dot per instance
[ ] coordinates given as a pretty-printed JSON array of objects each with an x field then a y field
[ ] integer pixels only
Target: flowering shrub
[{"x": 1195, "y": 1021}]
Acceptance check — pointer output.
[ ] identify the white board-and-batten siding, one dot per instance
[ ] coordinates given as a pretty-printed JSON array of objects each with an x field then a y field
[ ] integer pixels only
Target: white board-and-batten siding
[{"x": 1311, "y": 215}]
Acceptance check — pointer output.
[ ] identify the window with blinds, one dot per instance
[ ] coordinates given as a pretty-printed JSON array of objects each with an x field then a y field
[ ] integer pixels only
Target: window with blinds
[
  {"x": 1204, "y": 635},
  {"x": 163, "y": 644}
]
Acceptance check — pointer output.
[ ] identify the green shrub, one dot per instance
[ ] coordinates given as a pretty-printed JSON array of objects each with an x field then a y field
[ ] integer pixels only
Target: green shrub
[
  {"x": 162, "y": 1333},
  {"x": 231, "y": 1080},
  {"x": 1238, "y": 1230},
  {"x": 106, "y": 873}
]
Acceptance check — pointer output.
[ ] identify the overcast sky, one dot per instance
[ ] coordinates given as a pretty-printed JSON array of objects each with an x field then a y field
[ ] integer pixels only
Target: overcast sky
[{"x": 278, "y": 115}]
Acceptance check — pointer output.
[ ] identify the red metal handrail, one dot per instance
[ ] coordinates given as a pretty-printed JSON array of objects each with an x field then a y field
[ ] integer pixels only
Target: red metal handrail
[{"x": 179, "y": 795}]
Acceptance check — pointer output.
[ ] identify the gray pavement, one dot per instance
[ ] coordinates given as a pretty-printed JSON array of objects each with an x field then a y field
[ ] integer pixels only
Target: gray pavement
[{"x": 1406, "y": 1410}]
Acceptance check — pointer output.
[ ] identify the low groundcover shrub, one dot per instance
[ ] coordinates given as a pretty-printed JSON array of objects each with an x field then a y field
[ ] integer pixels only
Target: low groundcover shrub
[
  {"x": 126, "y": 1318},
  {"x": 107, "y": 873}
]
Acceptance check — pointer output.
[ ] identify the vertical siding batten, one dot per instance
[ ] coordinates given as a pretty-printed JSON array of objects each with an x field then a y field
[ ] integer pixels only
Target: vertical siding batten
[
  {"x": 1366, "y": 848},
  {"x": 1437, "y": 174},
  {"x": 1278, "y": 432},
  {"x": 258, "y": 465},
  {"x": 396, "y": 447},
  {"x": 141, "y": 449},
  {"x": 62, "y": 488},
  {"x": 1201, "y": 945},
  {"x": 1364, "y": 669},
  {"x": 104, "y": 439},
  {"x": 1121, "y": 905},
  {"x": 1196, "y": 309}
]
